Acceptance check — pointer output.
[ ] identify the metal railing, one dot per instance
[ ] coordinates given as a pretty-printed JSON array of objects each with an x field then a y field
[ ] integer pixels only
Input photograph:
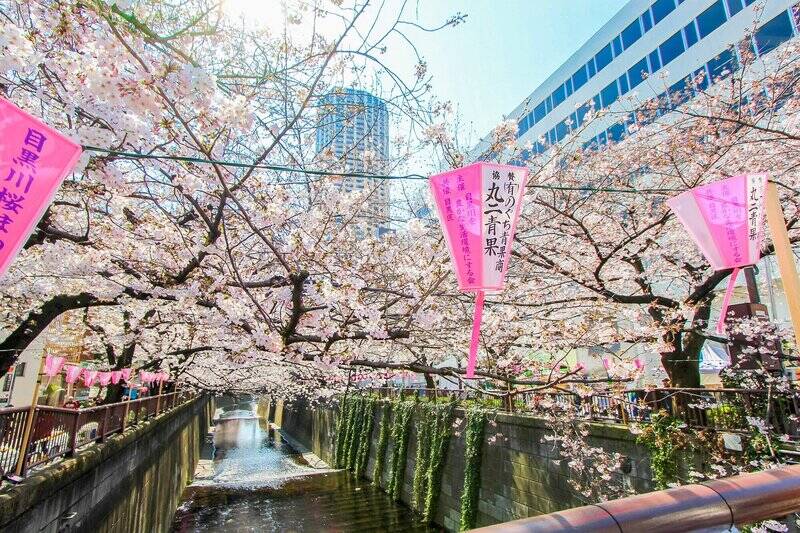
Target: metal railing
[
  {"x": 720, "y": 409},
  {"x": 58, "y": 432},
  {"x": 711, "y": 506}
]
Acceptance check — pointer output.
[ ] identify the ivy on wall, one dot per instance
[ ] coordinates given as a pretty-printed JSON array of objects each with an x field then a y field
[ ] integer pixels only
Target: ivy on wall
[
  {"x": 473, "y": 443},
  {"x": 365, "y": 438},
  {"x": 400, "y": 429},
  {"x": 426, "y": 426},
  {"x": 438, "y": 451},
  {"x": 383, "y": 443}
]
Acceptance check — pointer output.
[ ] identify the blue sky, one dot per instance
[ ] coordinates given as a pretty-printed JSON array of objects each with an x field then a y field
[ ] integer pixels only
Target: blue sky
[{"x": 490, "y": 63}]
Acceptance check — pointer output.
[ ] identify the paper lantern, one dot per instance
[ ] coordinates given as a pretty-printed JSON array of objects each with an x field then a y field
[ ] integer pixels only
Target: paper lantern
[
  {"x": 726, "y": 220},
  {"x": 478, "y": 207},
  {"x": 104, "y": 378},
  {"x": 126, "y": 374},
  {"x": 72, "y": 373},
  {"x": 116, "y": 375},
  {"x": 53, "y": 365},
  {"x": 89, "y": 377}
]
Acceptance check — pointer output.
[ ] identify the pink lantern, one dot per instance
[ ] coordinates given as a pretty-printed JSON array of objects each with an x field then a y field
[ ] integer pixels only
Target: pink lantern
[
  {"x": 607, "y": 362},
  {"x": 72, "y": 373},
  {"x": 116, "y": 375},
  {"x": 53, "y": 364},
  {"x": 126, "y": 374},
  {"x": 89, "y": 377},
  {"x": 726, "y": 220},
  {"x": 104, "y": 378},
  {"x": 478, "y": 207},
  {"x": 638, "y": 363}
]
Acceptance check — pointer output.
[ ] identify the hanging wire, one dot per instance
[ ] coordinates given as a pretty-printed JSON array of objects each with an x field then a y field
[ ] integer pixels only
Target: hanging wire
[{"x": 280, "y": 168}]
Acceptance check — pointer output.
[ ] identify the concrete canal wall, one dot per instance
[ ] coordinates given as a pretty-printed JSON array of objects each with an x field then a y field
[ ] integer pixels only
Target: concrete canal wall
[
  {"x": 520, "y": 475},
  {"x": 131, "y": 483}
]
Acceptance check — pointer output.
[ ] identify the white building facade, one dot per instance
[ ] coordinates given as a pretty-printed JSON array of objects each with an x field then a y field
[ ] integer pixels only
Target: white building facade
[{"x": 653, "y": 48}]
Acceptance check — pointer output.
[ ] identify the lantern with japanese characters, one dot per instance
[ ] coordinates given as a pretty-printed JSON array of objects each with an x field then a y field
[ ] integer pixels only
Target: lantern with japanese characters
[
  {"x": 726, "y": 220},
  {"x": 478, "y": 207}
]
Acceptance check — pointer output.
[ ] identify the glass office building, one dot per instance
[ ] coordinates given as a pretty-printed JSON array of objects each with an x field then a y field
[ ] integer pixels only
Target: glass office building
[
  {"x": 653, "y": 48},
  {"x": 353, "y": 128}
]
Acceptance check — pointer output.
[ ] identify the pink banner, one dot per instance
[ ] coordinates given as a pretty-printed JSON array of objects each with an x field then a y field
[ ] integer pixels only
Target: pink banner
[
  {"x": 126, "y": 374},
  {"x": 34, "y": 160},
  {"x": 72, "y": 373},
  {"x": 53, "y": 364},
  {"x": 726, "y": 220},
  {"x": 104, "y": 378},
  {"x": 89, "y": 377},
  {"x": 478, "y": 207},
  {"x": 116, "y": 375}
]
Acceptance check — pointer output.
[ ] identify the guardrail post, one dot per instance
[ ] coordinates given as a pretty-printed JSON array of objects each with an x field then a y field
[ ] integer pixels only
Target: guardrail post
[
  {"x": 105, "y": 424},
  {"x": 73, "y": 437}
]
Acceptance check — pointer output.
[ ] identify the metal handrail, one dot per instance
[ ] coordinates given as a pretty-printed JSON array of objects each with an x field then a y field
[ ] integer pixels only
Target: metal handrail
[
  {"x": 58, "y": 431},
  {"x": 722, "y": 503}
]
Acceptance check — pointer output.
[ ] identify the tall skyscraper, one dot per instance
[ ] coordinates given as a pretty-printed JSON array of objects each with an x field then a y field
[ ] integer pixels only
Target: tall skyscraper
[
  {"x": 657, "y": 48},
  {"x": 354, "y": 129}
]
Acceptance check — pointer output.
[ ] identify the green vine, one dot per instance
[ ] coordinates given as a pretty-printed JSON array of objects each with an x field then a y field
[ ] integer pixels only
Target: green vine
[
  {"x": 426, "y": 427},
  {"x": 400, "y": 427},
  {"x": 666, "y": 441},
  {"x": 438, "y": 452},
  {"x": 343, "y": 430},
  {"x": 383, "y": 444},
  {"x": 365, "y": 438},
  {"x": 473, "y": 441}
]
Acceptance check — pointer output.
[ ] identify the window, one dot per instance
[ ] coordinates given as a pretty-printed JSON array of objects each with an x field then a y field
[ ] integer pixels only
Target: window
[
  {"x": 574, "y": 118},
  {"x": 711, "y": 19},
  {"x": 548, "y": 105},
  {"x": 662, "y": 8},
  {"x": 701, "y": 78},
  {"x": 671, "y": 48},
  {"x": 579, "y": 79},
  {"x": 568, "y": 85},
  {"x": 678, "y": 93},
  {"x": 636, "y": 72},
  {"x": 734, "y": 6},
  {"x": 655, "y": 61},
  {"x": 623, "y": 84},
  {"x": 616, "y": 44},
  {"x": 602, "y": 139},
  {"x": 647, "y": 22},
  {"x": 19, "y": 370},
  {"x": 596, "y": 100},
  {"x": 631, "y": 34},
  {"x": 582, "y": 110},
  {"x": 603, "y": 57},
  {"x": 7, "y": 383},
  {"x": 609, "y": 94},
  {"x": 522, "y": 126},
  {"x": 616, "y": 132},
  {"x": 590, "y": 66},
  {"x": 539, "y": 112},
  {"x": 722, "y": 65},
  {"x": 773, "y": 33},
  {"x": 561, "y": 130},
  {"x": 748, "y": 2},
  {"x": 558, "y": 96},
  {"x": 691, "y": 34}
]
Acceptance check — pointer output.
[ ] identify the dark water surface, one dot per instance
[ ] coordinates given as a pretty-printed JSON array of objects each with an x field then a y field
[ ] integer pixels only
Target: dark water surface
[{"x": 256, "y": 482}]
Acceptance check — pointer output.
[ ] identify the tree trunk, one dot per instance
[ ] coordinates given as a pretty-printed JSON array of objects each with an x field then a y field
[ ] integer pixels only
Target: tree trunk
[
  {"x": 683, "y": 362},
  {"x": 36, "y": 322}
]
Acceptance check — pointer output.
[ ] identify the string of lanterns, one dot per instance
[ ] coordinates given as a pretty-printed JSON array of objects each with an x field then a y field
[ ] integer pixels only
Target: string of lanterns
[{"x": 54, "y": 365}]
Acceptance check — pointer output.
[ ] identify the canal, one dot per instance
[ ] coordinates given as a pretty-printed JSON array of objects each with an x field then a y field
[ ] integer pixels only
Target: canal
[{"x": 252, "y": 480}]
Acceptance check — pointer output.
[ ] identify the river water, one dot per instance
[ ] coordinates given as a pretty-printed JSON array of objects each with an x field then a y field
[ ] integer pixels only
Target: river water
[{"x": 254, "y": 481}]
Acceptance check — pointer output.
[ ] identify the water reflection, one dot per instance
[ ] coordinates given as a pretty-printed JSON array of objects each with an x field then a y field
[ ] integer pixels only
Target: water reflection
[{"x": 257, "y": 482}]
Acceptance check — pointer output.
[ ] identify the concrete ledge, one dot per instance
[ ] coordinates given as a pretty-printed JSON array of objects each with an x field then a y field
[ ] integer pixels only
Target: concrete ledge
[{"x": 42, "y": 484}]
